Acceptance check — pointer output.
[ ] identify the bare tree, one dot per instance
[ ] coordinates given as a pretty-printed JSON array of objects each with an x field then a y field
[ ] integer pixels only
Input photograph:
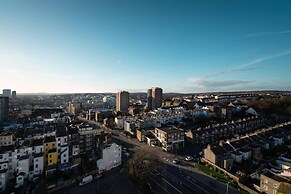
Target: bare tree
[{"x": 141, "y": 165}]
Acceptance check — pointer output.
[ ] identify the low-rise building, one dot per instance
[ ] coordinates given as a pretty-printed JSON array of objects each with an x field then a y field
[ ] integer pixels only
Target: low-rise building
[
  {"x": 246, "y": 153},
  {"x": 237, "y": 156},
  {"x": 38, "y": 164},
  {"x": 6, "y": 138},
  {"x": 170, "y": 138},
  {"x": 271, "y": 182},
  {"x": 111, "y": 157}
]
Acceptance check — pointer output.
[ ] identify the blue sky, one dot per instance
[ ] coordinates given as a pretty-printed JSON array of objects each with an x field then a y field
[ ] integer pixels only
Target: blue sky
[{"x": 181, "y": 46}]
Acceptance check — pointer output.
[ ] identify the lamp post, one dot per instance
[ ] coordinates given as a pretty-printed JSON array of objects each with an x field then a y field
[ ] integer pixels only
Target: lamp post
[{"x": 227, "y": 187}]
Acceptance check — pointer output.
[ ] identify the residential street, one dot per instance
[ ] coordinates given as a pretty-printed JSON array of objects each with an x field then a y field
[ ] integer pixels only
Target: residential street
[{"x": 173, "y": 178}]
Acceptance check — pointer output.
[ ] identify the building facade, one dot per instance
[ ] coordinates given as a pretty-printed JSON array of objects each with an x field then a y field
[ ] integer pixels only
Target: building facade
[
  {"x": 4, "y": 108},
  {"x": 154, "y": 98},
  {"x": 122, "y": 101},
  {"x": 271, "y": 182},
  {"x": 171, "y": 139},
  {"x": 6, "y": 93}
]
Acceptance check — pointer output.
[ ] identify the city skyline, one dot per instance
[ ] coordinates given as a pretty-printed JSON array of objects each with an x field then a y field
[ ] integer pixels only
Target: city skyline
[{"x": 108, "y": 46}]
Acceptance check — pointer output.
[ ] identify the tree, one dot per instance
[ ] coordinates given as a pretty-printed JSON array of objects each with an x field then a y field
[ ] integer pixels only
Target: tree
[{"x": 141, "y": 165}]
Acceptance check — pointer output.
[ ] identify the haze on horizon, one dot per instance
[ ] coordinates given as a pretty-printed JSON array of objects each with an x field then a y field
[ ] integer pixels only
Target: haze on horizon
[{"x": 182, "y": 46}]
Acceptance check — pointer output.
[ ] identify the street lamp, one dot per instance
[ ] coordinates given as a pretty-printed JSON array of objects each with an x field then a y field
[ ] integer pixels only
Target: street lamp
[{"x": 227, "y": 187}]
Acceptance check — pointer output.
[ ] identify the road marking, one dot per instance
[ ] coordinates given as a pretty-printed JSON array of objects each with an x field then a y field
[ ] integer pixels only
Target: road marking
[
  {"x": 160, "y": 185},
  {"x": 198, "y": 186},
  {"x": 172, "y": 186}
]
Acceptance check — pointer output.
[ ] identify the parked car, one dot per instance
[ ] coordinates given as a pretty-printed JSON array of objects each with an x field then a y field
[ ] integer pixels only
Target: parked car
[
  {"x": 175, "y": 161},
  {"x": 86, "y": 180},
  {"x": 188, "y": 158},
  {"x": 126, "y": 154}
]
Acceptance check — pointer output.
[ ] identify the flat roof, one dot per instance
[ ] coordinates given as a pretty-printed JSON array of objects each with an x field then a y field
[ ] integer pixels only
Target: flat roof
[{"x": 169, "y": 129}]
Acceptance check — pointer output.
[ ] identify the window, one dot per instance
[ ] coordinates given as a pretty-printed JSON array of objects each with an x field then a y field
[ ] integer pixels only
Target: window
[
  {"x": 36, "y": 165},
  {"x": 50, "y": 156},
  {"x": 275, "y": 185},
  {"x": 51, "y": 161},
  {"x": 266, "y": 181}
]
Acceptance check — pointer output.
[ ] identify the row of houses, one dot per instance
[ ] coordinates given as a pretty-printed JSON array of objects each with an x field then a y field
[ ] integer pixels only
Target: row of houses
[
  {"x": 213, "y": 134},
  {"x": 247, "y": 148},
  {"x": 44, "y": 153}
]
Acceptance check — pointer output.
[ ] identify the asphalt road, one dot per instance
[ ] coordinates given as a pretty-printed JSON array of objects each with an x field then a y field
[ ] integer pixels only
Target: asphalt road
[
  {"x": 174, "y": 178},
  {"x": 113, "y": 182}
]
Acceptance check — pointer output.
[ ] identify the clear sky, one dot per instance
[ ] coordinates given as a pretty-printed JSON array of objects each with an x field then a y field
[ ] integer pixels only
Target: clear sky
[{"x": 64, "y": 46}]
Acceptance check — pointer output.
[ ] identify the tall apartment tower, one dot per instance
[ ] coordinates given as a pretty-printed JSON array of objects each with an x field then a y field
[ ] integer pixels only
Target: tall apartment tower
[
  {"x": 4, "y": 108},
  {"x": 154, "y": 98},
  {"x": 150, "y": 99},
  {"x": 6, "y": 93},
  {"x": 122, "y": 101},
  {"x": 13, "y": 94}
]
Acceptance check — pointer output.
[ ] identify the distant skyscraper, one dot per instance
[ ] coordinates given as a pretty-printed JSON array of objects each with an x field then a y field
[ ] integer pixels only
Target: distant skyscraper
[
  {"x": 150, "y": 99},
  {"x": 6, "y": 93},
  {"x": 122, "y": 101},
  {"x": 157, "y": 97},
  {"x": 13, "y": 94},
  {"x": 4, "y": 108},
  {"x": 154, "y": 98}
]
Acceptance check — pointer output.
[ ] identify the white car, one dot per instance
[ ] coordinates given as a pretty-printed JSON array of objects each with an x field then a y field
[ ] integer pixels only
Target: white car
[
  {"x": 86, "y": 180},
  {"x": 175, "y": 161},
  {"x": 189, "y": 158}
]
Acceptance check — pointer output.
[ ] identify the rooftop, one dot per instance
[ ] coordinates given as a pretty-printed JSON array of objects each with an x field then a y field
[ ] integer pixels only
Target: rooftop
[
  {"x": 276, "y": 177},
  {"x": 169, "y": 129},
  {"x": 48, "y": 139}
]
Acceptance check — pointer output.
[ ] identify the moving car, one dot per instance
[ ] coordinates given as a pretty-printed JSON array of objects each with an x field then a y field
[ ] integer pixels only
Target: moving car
[{"x": 86, "y": 180}]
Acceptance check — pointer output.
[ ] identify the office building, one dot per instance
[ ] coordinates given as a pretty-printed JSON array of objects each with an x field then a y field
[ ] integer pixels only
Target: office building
[
  {"x": 122, "y": 101},
  {"x": 4, "y": 108},
  {"x": 154, "y": 98},
  {"x": 6, "y": 93}
]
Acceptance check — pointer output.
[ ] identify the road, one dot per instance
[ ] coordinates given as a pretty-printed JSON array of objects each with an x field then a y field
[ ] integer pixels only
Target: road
[
  {"x": 113, "y": 182},
  {"x": 175, "y": 177}
]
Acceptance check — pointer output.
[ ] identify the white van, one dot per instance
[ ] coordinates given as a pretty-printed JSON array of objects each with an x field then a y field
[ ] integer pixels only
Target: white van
[{"x": 86, "y": 180}]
